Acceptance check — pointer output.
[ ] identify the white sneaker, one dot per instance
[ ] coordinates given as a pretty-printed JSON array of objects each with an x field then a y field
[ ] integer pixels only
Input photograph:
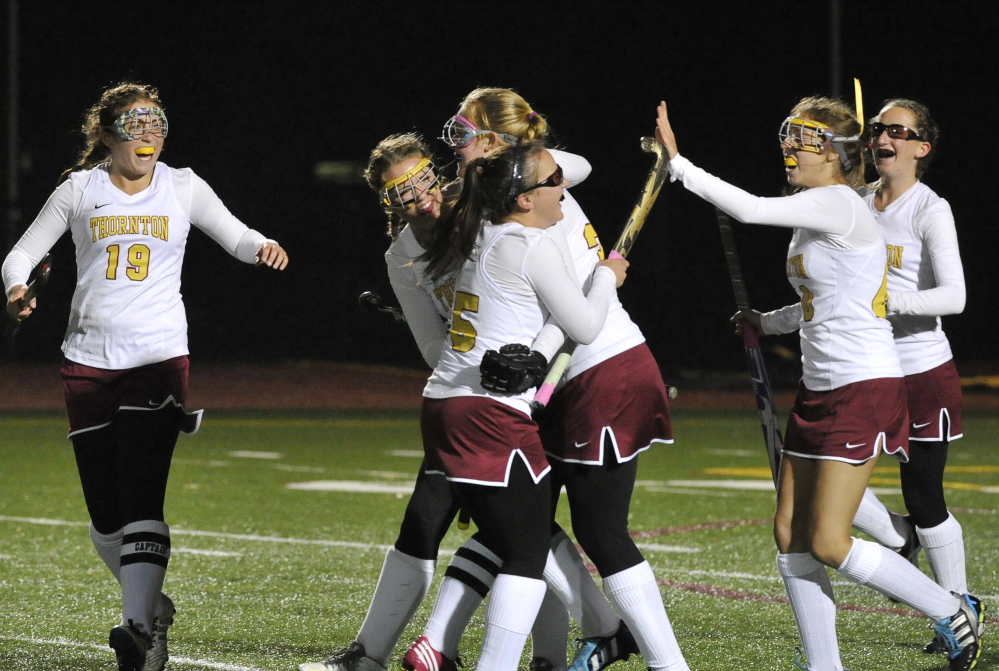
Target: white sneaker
[{"x": 156, "y": 657}]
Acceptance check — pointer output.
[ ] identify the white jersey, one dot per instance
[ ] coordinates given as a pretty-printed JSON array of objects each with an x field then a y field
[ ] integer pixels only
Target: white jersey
[
  {"x": 836, "y": 264},
  {"x": 516, "y": 277},
  {"x": 845, "y": 337},
  {"x": 925, "y": 275},
  {"x": 619, "y": 333},
  {"x": 127, "y": 309},
  {"x": 427, "y": 307}
]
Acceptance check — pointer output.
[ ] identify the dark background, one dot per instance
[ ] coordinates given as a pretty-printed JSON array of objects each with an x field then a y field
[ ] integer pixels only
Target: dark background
[{"x": 259, "y": 93}]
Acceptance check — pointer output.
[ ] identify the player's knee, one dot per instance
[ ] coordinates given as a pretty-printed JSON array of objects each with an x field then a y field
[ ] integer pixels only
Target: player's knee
[{"x": 830, "y": 549}]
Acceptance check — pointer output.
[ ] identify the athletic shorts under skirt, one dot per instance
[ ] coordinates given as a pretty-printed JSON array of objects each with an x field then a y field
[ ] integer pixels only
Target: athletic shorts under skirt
[
  {"x": 935, "y": 404},
  {"x": 475, "y": 439},
  {"x": 94, "y": 395},
  {"x": 852, "y": 423},
  {"x": 618, "y": 405}
]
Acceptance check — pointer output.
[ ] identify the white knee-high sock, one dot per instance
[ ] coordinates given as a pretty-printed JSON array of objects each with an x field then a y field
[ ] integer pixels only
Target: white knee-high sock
[
  {"x": 513, "y": 607},
  {"x": 811, "y": 595},
  {"x": 881, "y": 569},
  {"x": 550, "y": 632},
  {"x": 145, "y": 552},
  {"x": 468, "y": 579},
  {"x": 635, "y": 594},
  {"x": 108, "y": 546},
  {"x": 879, "y": 523},
  {"x": 567, "y": 576},
  {"x": 944, "y": 547},
  {"x": 402, "y": 584}
]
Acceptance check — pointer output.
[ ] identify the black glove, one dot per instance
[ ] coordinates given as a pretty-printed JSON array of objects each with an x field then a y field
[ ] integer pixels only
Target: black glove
[{"x": 512, "y": 370}]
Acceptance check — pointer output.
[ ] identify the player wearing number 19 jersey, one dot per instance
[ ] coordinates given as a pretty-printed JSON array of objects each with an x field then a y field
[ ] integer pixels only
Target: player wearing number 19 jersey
[{"x": 126, "y": 366}]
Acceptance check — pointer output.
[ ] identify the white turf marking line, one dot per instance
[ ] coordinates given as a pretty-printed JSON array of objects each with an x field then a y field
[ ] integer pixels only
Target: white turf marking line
[
  {"x": 300, "y": 469},
  {"x": 406, "y": 453},
  {"x": 174, "y": 531},
  {"x": 206, "y": 553},
  {"x": 354, "y": 486},
  {"x": 174, "y": 660},
  {"x": 751, "y": 485},
  {"x": 652, "y": 547},
  {"x": 250, "y": 454}
]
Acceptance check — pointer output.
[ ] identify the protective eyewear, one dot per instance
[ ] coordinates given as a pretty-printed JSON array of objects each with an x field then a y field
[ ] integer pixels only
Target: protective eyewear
[
  {"x": 554, "y": 179},
  {"x": 896, "y": 131},
  {"x": 459, "y": 132},
  {"x": 135, "y": 123},
  {"x": 810, "y": 135},
  {"x": 804, "y": 134},
  {"x": 405, "y": 190}
]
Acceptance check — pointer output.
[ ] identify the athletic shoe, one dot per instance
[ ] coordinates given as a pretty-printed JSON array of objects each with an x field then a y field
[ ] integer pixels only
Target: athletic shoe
[
  {"x": 157, "y": 656},
  {"x": 351, "y": 658},
  {"x": 934, "y": 647},
  {"x": 421, "y": 656},
  {"x": 540, "y": 664},
  {"x": 130, "y": 643},
  {"x": 910, "y": 551},
  {"x": 799, "y": 659},
  {"x": 598, "y": 652},
  {"x": 960, "y": 634}
]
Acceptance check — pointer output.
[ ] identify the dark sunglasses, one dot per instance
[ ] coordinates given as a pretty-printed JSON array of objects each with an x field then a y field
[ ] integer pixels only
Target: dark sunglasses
[
  {"x": 895, "y": 131},
  {"x": 554, "y": 179}
]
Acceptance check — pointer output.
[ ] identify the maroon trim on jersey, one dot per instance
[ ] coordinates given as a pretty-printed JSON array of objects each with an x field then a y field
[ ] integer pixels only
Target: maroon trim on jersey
[
  {"x": 935, "y": 404},
  {"x": 849, "y": 423},
  {"x": 95, "y": 395},
  {"x": 475, "y": 439},
  {"x": 619, "y": 404}
]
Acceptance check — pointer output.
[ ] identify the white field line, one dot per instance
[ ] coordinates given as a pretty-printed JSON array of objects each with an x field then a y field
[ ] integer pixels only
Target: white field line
[
  {"x": 205, "y": 553},
  {"x": 174, "y": 660},
  {"x": 174, "y": 531},
  {"x": 651, "y": 547}
]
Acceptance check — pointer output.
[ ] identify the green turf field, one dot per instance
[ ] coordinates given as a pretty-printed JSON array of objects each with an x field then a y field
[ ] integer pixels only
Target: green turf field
[{"x": 266, "y": 576}]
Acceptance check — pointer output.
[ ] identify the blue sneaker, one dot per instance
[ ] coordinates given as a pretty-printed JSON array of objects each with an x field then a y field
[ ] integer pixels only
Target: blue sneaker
[
  {"x": 599, "y": 652},
  {"x": 960, "y": 634}
]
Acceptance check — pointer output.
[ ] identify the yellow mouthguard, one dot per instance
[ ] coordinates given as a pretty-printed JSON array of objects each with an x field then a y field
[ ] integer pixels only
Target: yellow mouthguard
[
  {"x": 145, "y": 151},
  {"x": 790, "y": 162}
]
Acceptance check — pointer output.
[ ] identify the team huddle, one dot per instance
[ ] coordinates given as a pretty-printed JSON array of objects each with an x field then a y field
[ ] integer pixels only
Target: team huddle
[{"x": 497, "y": 271}]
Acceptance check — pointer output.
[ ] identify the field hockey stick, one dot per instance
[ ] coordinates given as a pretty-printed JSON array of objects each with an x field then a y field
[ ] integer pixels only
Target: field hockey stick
[
  {"x": 371, "y": 302},
  {"x": 36, "y": 286},
  {"x": 750, "y": 341},
  {"x": 653, "y": 184}
]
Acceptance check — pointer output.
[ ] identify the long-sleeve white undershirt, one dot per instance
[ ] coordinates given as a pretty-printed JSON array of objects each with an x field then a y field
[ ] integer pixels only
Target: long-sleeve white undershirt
[{"x": 206, "y": 209}]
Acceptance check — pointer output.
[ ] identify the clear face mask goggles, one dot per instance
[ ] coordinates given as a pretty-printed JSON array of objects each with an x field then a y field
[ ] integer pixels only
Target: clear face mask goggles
[
  {"x": 808, "y": 135},
  {"x": 405, "y": 190},
  {"x": 459, "y": 132},
  {"x": 135, "y": 123}
]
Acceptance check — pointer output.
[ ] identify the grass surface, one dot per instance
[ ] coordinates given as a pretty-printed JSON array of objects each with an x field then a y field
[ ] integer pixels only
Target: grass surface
[{"x": 266, "y": 576}]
